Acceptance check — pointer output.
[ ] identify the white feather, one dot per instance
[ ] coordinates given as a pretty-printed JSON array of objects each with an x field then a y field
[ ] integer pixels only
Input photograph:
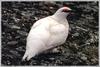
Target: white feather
[{"x": 46, "y": 33}]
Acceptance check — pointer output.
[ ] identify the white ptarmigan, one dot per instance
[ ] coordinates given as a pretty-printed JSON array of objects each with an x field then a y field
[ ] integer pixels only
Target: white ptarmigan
[{"x": 47, "y": 33}]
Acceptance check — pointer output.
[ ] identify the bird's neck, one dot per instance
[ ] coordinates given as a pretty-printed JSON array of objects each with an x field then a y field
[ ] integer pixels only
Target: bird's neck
[{"x": 59, "y": 18}]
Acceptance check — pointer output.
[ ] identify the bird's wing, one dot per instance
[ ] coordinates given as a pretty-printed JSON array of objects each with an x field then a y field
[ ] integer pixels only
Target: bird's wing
[
  {"x": 58, "y": 34},
  {"x": 37, "y": 38},
  {"x": 39, "y": 32},
  {"x": 39, "y": 22},
  {"x": 36, "y": 24}
]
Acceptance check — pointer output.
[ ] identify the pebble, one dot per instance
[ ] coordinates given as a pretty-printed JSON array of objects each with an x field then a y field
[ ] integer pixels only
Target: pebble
[
  {"x": 52, "y": 58},
  {"x": 15, "y": 27},
  {"x": 12, "y": 42},
  {"x": 23, "y": 33},
  {"x": 84, "y": 58}
]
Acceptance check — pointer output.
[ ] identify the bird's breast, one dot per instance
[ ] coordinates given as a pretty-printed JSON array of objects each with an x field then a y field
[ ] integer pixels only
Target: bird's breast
[
  {"x": 58, "y": 36},
  {"x": 59, "y": 29}
]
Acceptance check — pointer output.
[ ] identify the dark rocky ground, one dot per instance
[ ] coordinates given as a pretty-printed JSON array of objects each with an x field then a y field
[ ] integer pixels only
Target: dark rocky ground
[{"x": 81, "y": 47}]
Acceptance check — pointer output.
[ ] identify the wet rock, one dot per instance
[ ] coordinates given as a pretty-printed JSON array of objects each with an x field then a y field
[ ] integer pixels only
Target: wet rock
[
  {"x": 21, "y": 49},
  {"x": 14, "y": 53},
  {"x": 52, "y": 58},
  {"x": 15, "y": 27},
  {"x": 76, "y": 34},
  {"x": 12, "y": 43},
  {"x": 84, "y": 58},
  {"x": 23, "y": 33}
]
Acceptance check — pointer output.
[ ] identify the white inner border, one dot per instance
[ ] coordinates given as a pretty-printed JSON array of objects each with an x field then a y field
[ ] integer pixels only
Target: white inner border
[{"x": 49, "y": 66}]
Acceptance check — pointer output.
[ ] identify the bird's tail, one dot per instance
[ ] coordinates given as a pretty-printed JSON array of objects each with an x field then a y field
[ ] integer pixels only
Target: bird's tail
[
  {"x": 28, "y": 55},
  {"x": 25, "y": 56}
]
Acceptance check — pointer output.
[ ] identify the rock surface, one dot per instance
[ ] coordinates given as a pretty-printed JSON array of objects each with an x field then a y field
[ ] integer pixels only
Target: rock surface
[{"x": 81, "y": 47}]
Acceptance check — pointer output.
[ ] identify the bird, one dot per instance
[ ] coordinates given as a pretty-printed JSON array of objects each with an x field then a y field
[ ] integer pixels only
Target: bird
[{"x": 47, "y": 33}]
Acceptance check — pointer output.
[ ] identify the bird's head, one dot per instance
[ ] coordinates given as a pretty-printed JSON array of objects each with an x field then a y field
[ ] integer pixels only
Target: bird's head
[{"x": 63, "y": 12}]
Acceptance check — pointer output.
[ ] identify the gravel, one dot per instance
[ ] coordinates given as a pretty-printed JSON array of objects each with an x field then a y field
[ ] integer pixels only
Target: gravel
[{"x": 81, "y": 47}]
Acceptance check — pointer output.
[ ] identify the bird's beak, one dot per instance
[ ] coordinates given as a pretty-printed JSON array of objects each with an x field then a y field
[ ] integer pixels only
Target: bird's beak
[{"x": 70, "y": 11}]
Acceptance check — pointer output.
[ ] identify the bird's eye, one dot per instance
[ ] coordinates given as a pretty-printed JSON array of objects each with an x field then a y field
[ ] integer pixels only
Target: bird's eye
[{"x": 64, "y": 10}]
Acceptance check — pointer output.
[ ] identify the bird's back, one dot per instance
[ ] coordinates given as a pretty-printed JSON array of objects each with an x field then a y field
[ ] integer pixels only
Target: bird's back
[{"x": 45, "y": 34}]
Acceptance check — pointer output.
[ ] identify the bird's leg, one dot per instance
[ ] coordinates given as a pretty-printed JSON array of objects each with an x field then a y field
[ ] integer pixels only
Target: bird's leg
[
  {"x": 56, "y": 49},
  {"x": 53, "y": 50}
]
